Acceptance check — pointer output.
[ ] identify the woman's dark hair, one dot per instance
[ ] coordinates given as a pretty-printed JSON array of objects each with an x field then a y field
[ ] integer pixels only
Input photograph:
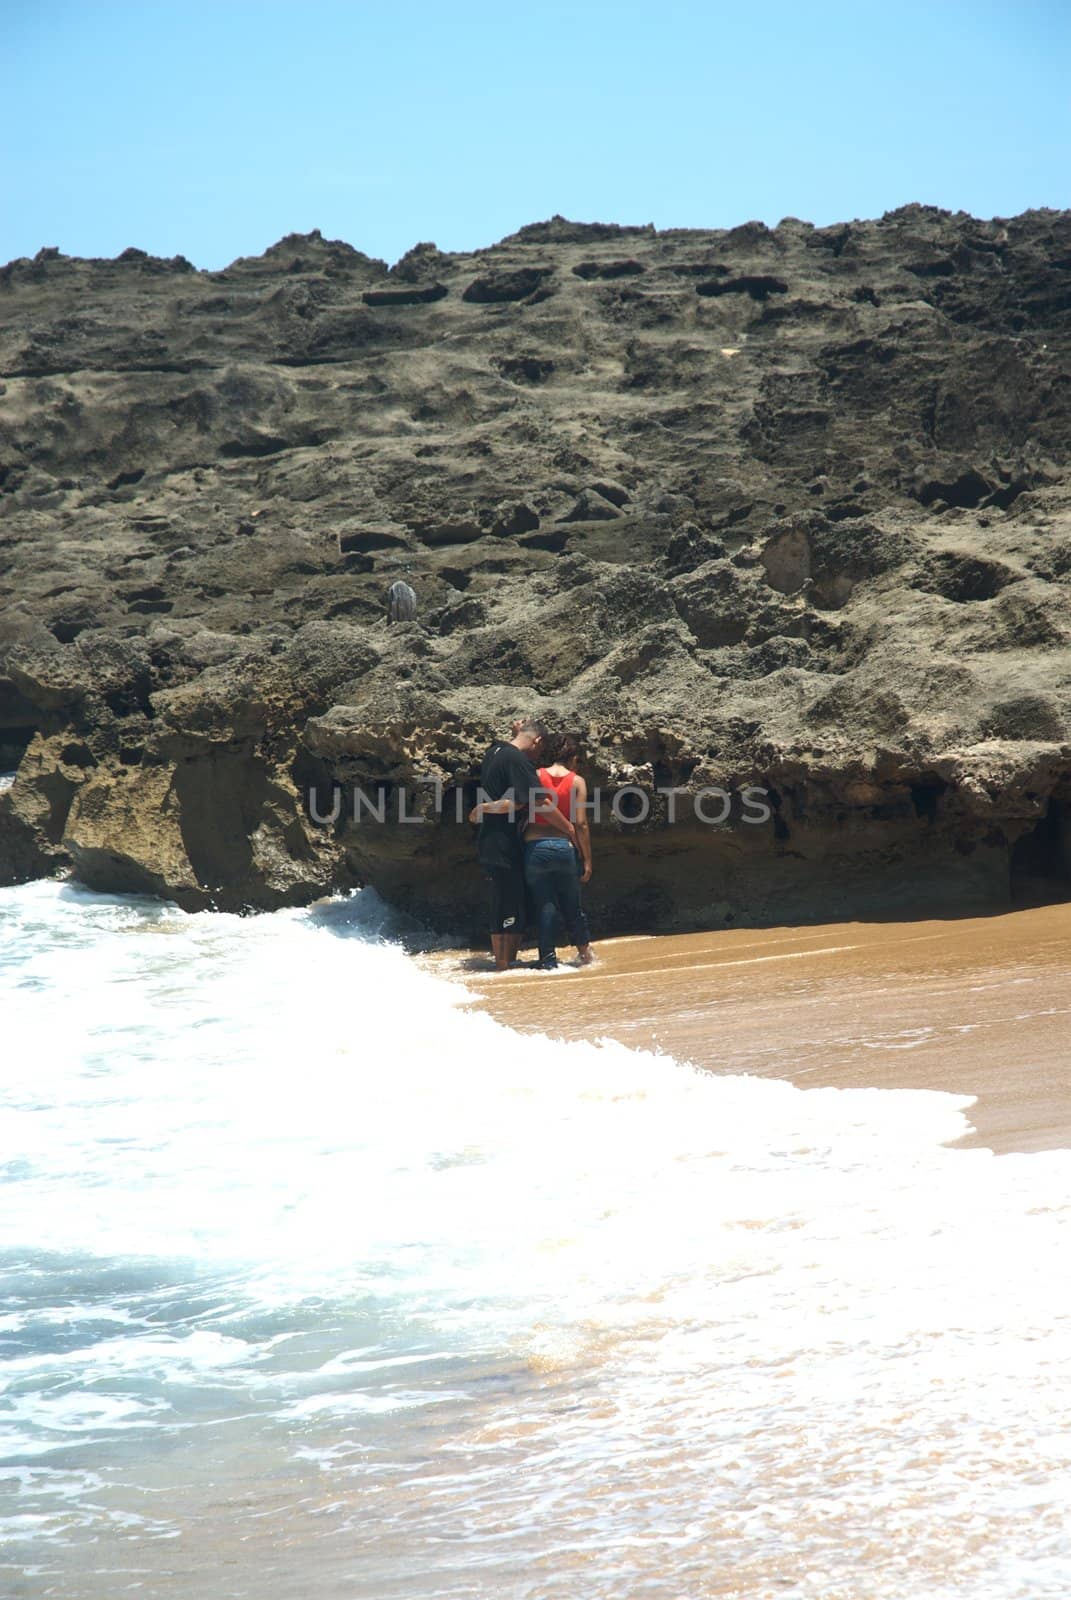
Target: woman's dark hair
[{"x": 567, "y": 747}]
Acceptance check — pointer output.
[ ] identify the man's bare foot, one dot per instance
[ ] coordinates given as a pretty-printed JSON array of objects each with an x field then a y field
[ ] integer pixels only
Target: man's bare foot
[{"x": 584, "y": 955}]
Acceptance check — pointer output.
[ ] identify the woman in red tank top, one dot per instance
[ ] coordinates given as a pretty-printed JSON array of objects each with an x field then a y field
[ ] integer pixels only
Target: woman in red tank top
[
  {"x": 552, "y": 870},
  {"x": 561, "y": 779}
]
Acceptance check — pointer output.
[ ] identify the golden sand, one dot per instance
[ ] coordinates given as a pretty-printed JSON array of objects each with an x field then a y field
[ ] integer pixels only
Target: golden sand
[{"x": 975, "y": 1005}]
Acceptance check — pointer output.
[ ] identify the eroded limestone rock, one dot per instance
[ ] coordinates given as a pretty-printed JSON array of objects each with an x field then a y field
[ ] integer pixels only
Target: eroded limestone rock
[{"x": 785, "y": 508}]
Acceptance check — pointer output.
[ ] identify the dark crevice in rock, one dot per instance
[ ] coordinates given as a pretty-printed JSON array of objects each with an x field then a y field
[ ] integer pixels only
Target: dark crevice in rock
[
  {"x": 499, "y": 288},
  {"x": 411, "y": 296},
  {"x": 14, "y": 742},
  {"x": 269, "y": 445},
  {"x": 1006, "y": 495},
  {"x": 926, "y": 796},
  {"x": 758, "y": 285},
  {"x": 941, "y": 267},
  {"x": 46, "y": 370},
  {"x": 67, "y": 631},
  {"x": 552, "y": 539},
  {"x": 365, "y": 539},
  {"x": 526, "y": 369},
  {"x": 1041, "y": 857},
  {"x": 968, "y": 490},
  {"x": 608, "y": 269}
]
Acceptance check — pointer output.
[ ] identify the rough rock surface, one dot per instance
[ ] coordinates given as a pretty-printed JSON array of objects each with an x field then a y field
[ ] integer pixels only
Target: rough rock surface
[{"x": 788, "y": 508}]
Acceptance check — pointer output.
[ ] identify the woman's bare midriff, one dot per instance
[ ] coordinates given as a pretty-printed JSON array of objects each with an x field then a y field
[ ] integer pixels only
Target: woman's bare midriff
[{"x": 536, "y": 830}]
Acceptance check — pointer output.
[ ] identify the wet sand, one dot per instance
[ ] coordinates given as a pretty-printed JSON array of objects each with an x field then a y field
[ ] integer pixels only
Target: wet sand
[{"x": 977, "y": 1006}]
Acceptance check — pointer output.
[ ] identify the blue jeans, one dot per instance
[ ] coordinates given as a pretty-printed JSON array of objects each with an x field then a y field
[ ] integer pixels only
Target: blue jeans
[{"x": 552, "y": 873}]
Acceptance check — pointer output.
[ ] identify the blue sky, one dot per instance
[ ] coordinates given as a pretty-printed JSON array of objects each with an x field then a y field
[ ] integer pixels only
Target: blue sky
[{"x": 212, "y": 129}]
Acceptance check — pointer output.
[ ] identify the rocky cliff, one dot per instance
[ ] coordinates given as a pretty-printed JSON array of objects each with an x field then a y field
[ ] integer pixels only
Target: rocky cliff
[{"x": 785, "y": 508}]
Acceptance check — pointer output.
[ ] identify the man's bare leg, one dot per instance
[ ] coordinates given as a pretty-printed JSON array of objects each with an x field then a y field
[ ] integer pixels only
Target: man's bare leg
[{"x": 504, "y": 947}]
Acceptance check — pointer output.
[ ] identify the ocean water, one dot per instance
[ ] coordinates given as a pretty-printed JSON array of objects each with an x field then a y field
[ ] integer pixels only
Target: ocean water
[{"x": 315, "y": 1282}]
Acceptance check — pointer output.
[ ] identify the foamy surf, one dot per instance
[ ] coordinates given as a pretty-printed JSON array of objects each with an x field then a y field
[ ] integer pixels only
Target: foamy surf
[{"x": 318, "y": 1281}]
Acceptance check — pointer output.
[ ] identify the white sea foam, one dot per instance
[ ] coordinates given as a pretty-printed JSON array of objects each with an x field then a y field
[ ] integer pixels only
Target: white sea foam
[{"x": 269, "y": 1167}]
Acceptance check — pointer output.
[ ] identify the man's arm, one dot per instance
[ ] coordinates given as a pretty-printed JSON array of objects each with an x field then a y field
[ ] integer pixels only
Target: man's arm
[
  {"x": 541, "y": 806},
  {"x": 579, "y": 799},
  {"x": 547, "y": 811},
  {"x": 492, "y": 808}
]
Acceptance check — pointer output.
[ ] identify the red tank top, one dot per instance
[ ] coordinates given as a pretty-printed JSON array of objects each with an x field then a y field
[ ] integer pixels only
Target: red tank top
[{"x": 562, "y": 789}]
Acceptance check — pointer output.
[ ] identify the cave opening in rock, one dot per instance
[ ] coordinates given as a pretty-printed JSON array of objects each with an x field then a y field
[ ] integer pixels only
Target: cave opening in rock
[
  {"x": 1041, "y": 857},
  {"x": 630, "y": 805},
  {"x": 14, "y": 742},
  {"x": 66, "y": 631},
  {"x": 924, "y": 797},
  {"x": 964, "y": 492}
]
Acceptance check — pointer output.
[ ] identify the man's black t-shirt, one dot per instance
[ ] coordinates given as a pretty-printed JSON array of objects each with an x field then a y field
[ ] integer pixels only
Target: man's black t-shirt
[{"x": 504, "y": 768}]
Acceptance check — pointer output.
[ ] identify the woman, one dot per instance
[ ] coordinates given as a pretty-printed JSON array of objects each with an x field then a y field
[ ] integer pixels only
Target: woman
[{"x": 553, "y": 870}]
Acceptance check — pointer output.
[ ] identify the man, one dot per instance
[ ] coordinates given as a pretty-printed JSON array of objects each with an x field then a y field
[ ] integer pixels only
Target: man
[{"x": 510, "y": 782}]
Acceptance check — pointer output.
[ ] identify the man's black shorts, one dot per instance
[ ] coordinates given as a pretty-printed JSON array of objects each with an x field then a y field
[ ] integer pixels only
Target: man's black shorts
[{"x": 507, "y": 899}]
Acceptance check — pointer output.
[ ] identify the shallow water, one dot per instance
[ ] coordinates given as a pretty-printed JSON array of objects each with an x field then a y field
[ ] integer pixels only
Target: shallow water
[{"x": 318, "y": 1282}]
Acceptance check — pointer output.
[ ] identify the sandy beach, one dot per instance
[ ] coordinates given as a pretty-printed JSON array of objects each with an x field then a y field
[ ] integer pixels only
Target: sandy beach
[{"x": 975, "y": 1005}]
